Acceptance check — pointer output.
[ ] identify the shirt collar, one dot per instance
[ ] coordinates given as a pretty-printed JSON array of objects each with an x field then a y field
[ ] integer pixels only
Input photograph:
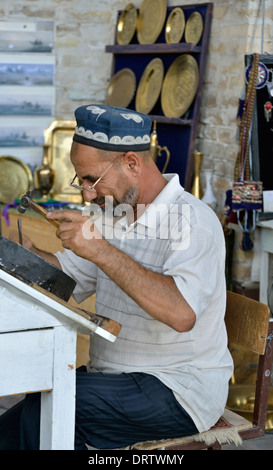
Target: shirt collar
[{"x": 166, "y": 197}]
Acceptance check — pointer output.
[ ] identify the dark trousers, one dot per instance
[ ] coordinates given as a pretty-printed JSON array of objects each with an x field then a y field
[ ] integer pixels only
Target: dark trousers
[{"x": 112, "y": 410}]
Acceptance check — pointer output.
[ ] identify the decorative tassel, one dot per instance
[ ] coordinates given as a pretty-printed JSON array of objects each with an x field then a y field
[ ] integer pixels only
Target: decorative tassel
[{"x": 247, "y": 243}]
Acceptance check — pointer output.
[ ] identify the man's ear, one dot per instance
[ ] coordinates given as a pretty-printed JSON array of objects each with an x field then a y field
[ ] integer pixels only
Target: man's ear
[{"x": 132, "y": 163}]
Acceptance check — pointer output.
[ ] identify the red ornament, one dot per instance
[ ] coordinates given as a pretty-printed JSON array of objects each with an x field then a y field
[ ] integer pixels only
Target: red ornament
[{"x": 268, "y": 110}]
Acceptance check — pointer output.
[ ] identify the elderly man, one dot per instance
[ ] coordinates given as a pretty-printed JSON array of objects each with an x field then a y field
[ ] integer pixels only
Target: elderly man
[{"x": 155, "y": 256}]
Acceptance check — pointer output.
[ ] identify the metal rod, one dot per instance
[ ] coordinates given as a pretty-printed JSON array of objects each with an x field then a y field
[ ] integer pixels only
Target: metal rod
[{"x": 19, "y": 225}]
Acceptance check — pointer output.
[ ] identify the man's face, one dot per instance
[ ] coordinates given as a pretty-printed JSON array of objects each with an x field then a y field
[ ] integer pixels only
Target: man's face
[{"x": 113, "y": 189}]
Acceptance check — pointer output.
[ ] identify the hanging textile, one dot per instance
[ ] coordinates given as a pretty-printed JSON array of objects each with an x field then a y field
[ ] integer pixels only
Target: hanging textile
[
  {"x": 242, "y": 166},
  {"x": 246, "y": 193}
]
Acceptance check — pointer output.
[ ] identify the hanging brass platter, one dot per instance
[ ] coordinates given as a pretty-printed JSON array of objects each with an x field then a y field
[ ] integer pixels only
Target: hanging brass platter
[
  {"x": 175, "y": 26},
  {"x": 194, "y": 28},
  {"x": 121, "y": 88},
  {"x": 127, "y": 24},
  {"x": 179, "y": 86},
  {"x": 149, "y": 87},
  {"x": 15, "y": 178},
  {"x": 151, "y": 18}
]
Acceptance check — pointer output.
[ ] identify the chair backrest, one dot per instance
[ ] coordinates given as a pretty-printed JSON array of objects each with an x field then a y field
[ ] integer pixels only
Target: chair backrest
[{"x": 247, "y": 322}]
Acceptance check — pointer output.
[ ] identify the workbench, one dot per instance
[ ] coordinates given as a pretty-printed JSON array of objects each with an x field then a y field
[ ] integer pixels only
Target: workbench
[
  {"x": 42, "y": 234},
  {"x": 38, "y": 336}
]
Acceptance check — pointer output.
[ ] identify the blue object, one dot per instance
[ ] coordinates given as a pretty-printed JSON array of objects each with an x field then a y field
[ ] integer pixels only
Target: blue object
[
  {"x": 112, "y": 411},
  {"x": 114, "y": 129}
]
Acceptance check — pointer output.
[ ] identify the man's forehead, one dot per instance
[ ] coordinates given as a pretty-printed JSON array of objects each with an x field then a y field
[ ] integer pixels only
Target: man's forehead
[
  {"x": 86, "y": 162},
  {"x": 85, "y": 156},
  {"x": 86, "y": 151}
]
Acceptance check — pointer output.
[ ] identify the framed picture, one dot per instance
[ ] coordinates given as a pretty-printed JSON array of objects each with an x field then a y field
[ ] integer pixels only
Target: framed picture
[
  {"x": 29, "y": 37},
  {"x": 27, "y": 70},
  {"x": 33, "y": 101},
  {"x": 23, "y": 138}
]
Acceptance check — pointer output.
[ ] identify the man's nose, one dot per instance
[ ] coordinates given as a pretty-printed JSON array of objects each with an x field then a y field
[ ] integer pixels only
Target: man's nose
[{"x": 89, "y": 195}]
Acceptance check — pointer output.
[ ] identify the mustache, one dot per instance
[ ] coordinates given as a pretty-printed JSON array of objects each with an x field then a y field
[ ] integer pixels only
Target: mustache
[
  {"x": 98, "y": 200},
  {"x": 109, "y": 202},
  {"x": 104, "y": 200}
]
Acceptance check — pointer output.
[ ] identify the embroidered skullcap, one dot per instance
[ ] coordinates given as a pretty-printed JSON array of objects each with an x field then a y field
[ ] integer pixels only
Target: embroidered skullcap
[{"x": 110, "y": 128}]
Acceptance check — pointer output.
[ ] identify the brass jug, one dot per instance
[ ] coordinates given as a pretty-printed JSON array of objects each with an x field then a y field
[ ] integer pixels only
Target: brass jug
[
  {"x": 156, "y": 149},
  {"x": 44, "y": 174},
  {"x": 197, "y": 190}
]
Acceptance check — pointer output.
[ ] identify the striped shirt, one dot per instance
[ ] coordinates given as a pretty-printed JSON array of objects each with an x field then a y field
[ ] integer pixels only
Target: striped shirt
[{"x": 179, "y": 236}]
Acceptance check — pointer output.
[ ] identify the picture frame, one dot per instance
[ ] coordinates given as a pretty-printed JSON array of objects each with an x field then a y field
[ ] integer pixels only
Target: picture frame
[
  {"x": 27, "y": 37},
  {"x": 27, "y": 70}
]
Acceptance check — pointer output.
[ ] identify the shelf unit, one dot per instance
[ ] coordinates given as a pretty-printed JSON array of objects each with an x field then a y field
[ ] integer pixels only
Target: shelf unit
[{"x": 178, "y": 134}]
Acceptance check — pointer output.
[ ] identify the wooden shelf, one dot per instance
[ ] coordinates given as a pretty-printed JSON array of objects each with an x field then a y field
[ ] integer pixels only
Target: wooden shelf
[
  {"x": 177, "y": 134},
  {"x": 153, "y": 48},
  {"x": 166, "y": 120}
]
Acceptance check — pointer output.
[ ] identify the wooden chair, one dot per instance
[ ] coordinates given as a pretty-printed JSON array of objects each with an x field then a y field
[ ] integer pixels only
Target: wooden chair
[{"x": 249, "y": 325}]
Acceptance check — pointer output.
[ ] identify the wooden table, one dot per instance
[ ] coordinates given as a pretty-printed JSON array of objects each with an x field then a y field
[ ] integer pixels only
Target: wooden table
[{"x": 38, "y": 335}]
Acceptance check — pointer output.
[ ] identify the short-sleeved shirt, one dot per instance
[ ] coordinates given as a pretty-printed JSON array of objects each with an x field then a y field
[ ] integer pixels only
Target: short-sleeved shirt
[{"x": 179, "y": 236}]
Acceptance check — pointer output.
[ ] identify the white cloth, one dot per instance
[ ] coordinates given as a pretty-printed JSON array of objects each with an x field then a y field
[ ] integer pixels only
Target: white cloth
[{"x": 196, "y": 364}]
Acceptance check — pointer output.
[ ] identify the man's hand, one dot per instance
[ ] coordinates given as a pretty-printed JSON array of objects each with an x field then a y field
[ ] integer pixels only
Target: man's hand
[{"x": 78, "y": 233}]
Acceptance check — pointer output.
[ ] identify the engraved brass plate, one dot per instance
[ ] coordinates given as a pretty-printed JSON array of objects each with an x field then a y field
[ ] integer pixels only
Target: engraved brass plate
[
  {"x": 58, "y": 137},
  {"x": 121, "y": 88},
  {"x": 149, "y": 87},
  {"x": 151, "y": 18},
  {"x": 175, "y": 26},
  {"x": 127, "y": 24},
  {"x": 179, "y": 86},
  {"x": 194, "y": 28},
  {"x": 15, "y": 178}
]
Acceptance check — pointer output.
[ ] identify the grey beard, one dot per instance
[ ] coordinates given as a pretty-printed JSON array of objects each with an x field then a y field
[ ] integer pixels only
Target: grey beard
[{"x": 130, "y": 198}]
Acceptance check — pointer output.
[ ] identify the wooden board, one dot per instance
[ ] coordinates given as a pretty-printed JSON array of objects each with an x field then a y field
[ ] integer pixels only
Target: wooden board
[
  {"x": 107, "y": 324},
  {"x": 247, "y": 322}
]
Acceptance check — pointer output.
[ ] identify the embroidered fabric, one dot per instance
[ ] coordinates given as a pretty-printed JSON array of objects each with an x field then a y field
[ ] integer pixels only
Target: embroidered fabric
[{"x": 102, "y": 137}]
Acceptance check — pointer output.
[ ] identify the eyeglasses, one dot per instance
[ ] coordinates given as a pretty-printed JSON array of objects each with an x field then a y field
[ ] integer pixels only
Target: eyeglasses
[{"x": 91, "y": 188}]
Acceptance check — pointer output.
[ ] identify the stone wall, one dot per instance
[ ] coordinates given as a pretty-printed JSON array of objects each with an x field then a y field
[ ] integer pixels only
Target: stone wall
[{"x": 83, "y": 28}]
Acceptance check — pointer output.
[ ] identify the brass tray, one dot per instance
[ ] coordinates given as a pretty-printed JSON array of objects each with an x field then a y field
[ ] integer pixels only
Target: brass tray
[
  {"x": 175, "y": 26},
  {"x": 151, "y": 18},
  {"x": 194, "y": 28},
  {"x": 121, "y": 88},
  {"x": 127, "y": 24},
  {"x": 179, "y": 86},
  {"x": 15, "y": 178},
  {"x": 58, "y": 137},
  {"x": 149, "y": 87}
]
